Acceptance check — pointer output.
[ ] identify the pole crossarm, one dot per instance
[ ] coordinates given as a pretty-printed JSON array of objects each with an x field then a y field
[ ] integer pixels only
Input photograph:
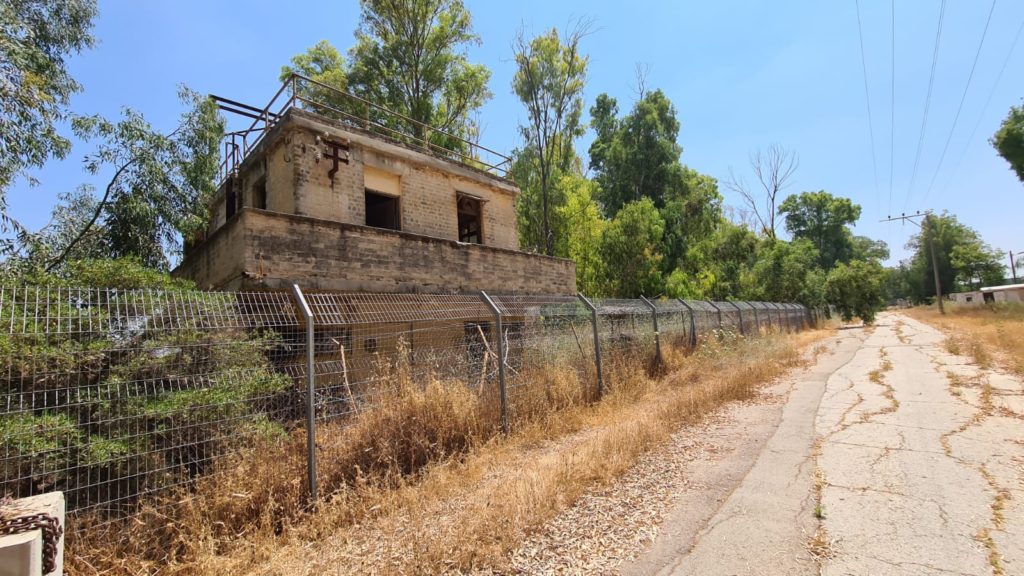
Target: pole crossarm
[{"x": 926, "y": 217}]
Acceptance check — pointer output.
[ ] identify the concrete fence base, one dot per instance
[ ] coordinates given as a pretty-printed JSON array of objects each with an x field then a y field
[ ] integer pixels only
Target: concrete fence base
[{"x": 21, "y": 553}]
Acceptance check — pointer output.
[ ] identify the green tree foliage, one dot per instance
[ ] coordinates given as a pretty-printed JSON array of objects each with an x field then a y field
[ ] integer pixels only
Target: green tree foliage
[
  {"x": 136, "y": 404},
  {"x": 635, "y": 156},
  {"x": 549, "y": 80},
  {"x": 1009, "y": 140},
  {"x": 896, "y": 283},
  {"x": 977, "y": 264},
  {"x": 692, "y": 211},
  {"x": 864, "y": 248},
  {"x": 720, "y": 263},
  {"x": 823, "y": 220},
  {"x": 324, "y": 64},
  {"x": 631, "y": 249},
  {"x": 121, "y": 273},
  {"x": 70, "y": 216},
  {"x": 160, "y": 186},
  {"x": 787, "y": 272},
  {"x": 964, "y": 259},
  {"x": 584, "y": 227},
  {"x": 410, "y": 57},
  {"x": 36, "y": 38},
  {"x": 855, "y": 289}
]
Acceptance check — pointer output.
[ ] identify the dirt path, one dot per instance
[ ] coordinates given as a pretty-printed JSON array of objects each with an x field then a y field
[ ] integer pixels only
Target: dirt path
[{"x": 888, "y": 456}]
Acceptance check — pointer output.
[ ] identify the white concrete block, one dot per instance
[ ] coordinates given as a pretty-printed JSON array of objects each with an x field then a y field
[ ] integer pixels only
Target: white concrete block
[{"x": 22, "y": 554}]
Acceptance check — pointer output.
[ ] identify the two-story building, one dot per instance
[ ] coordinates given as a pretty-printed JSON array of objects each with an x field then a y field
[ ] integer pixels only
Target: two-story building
[{"x": 335, "y": 204}]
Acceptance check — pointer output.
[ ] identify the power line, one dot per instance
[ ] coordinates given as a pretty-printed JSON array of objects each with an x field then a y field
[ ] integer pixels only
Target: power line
[
  {"x": 867, "y": 99},
  {"x": 963, "y": 97},
  {"x": 927, "y": 101},
  {"x": 988, "y": 101},
  {"x": 892, "y": 106}
]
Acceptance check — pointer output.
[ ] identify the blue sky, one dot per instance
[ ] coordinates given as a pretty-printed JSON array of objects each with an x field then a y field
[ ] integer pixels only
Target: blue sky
[{"x": 742, "y": 75}]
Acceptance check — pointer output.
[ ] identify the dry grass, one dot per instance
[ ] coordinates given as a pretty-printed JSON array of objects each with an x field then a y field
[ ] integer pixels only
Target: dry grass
[
  {"x": 425, "y": 484},
  {"x": 990, "y": 335}
]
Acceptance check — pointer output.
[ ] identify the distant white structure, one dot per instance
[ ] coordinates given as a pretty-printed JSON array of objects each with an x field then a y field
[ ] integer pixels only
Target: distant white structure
[
  {"x": 972, "y": 298},
  {"x": 1009, "y": 293}
]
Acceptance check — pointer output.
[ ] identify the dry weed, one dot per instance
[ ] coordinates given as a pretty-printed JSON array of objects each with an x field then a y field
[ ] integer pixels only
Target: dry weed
[
  {"x": 990, "y": 335},
  {"x": 424, "y": 482}
]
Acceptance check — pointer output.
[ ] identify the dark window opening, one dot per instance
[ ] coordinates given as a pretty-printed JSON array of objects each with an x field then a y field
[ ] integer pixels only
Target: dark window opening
[
  {"x": 259, "y": 194},
  {"x": 470, "y": 221},
  {"x": 382, "y": 211},
  {"x": 230, "y": 199}
]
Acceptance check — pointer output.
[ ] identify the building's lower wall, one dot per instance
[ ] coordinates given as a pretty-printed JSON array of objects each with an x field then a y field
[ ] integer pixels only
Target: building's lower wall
[
  {"x": 968, "y": 298},
  {"x": 259, "y": 249},
  {"x": 1009, "y": 295}
]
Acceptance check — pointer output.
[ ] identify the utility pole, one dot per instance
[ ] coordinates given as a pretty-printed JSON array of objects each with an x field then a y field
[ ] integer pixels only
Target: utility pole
[
  {"x": 1013, "y": 267},
  {"x": 927, "y": 215}
]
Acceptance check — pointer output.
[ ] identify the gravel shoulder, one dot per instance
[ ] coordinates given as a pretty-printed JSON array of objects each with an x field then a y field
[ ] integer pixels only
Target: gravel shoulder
[
  {"x": 888, "y": 455},
  {"x": 694, "y": 491}
]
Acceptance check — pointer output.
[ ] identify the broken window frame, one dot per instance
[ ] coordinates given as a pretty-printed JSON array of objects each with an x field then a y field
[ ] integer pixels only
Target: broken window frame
[
  {"x": 466, "y": 237},
  {"x": 367, "y": 192}
]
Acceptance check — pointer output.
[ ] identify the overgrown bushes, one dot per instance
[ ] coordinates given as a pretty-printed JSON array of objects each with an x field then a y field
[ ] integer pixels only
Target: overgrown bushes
[{"x": 108, "y": 394}]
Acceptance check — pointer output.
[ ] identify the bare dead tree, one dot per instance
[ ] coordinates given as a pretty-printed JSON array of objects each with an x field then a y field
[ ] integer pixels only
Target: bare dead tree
[
  {"x": 774, "y": 169},
  {"x": 641, "y": 71}
]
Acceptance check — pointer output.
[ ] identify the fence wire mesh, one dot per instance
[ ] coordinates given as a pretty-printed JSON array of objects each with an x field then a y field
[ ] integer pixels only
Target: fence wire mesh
[{"x": 113, "y": 395}]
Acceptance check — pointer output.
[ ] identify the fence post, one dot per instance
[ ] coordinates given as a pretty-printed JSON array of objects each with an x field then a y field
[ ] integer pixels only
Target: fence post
[
  {"x": 740, "y": 311},
  {"x": 501, "y": 359},
  {"x": 782, "y": 313},
  {"x": 657, "y": 336},
  {"x": 719, "y": 310},
  {"x": 693, "y": 324},
  {"x": 757, "y": 321},
  {"x": 597, "y": 343},
  {"x": 307, "y": 313}
]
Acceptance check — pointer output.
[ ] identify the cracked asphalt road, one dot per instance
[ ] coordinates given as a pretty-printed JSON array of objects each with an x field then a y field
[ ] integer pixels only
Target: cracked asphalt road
[{"x": 891, "y": 456}]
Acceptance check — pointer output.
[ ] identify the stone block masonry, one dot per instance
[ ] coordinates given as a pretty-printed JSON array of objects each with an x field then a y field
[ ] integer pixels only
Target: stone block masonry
[
  {"x": 262, "y": 249},
  {"x": 292, "y": 214}
]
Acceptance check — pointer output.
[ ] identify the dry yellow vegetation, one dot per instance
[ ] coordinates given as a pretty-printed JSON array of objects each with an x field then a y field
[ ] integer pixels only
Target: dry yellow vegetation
[
  {"x": 424, "y": 483},
  {"x": 991, "y": 335}
]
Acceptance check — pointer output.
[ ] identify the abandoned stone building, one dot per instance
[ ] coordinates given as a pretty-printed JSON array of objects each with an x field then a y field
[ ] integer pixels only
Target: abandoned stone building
[
  {"x": 334, "y": 205},
  {"x": 355, "y": 208}
]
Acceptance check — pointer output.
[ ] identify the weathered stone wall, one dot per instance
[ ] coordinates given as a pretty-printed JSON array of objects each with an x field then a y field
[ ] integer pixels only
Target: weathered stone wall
[
  {"x": 295, "y": 166},
  {"x": 313, "y": 228},
  {"x": 218, "y": 262},
  {"x": 260, "y": 249}
]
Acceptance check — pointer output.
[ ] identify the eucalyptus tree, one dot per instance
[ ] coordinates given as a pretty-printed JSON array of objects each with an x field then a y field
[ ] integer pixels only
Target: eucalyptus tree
[{"x": 551, "y": 73}]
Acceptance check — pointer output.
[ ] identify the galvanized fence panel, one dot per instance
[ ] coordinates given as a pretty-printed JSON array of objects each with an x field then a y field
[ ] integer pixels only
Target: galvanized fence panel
[
  {"x": 707, "y": 317},
  {"x": 109, "y": 395},
  {"x": 549, "y": 352},
  {"x": 115, "y": 395},
  {"x": 368, "y": 344}
]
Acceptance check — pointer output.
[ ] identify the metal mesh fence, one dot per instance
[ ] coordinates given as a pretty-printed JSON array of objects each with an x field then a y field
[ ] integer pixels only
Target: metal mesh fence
[
  {"x": 108, "y": 395},
  {"x": 112, "y": 395}
]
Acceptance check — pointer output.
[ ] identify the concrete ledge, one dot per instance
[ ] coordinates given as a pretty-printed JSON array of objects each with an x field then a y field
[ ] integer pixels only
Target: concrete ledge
[{"x": 22, "y": 554}]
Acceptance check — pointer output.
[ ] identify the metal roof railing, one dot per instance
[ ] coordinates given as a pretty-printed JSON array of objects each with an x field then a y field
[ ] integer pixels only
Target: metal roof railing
[{"x": 353, "y": 111}]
